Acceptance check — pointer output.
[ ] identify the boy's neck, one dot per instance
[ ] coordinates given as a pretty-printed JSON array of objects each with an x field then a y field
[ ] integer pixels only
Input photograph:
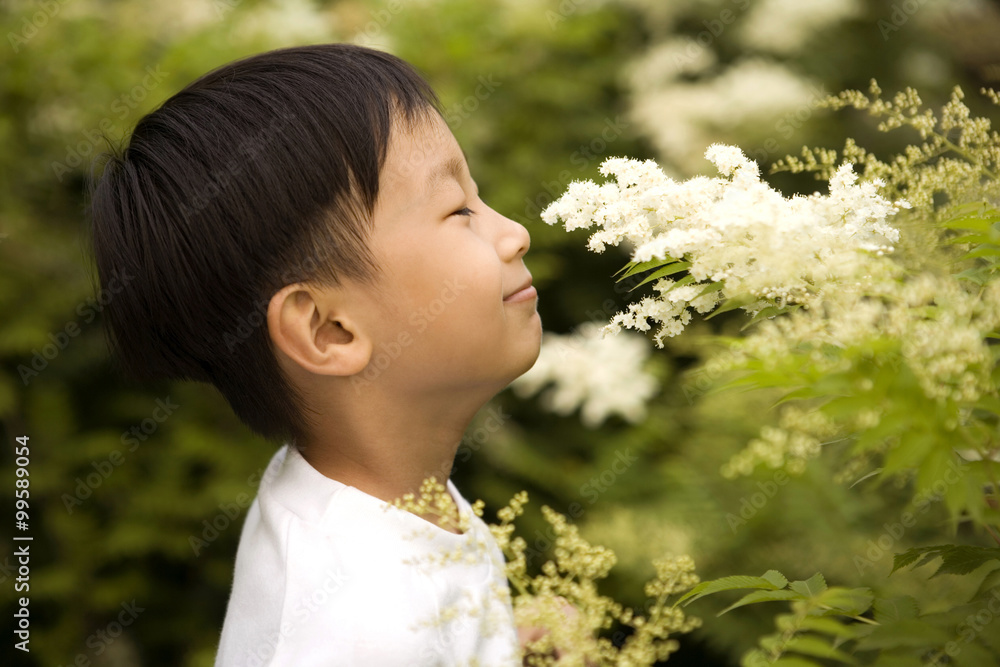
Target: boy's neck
[{"x": 386, "y": 450}]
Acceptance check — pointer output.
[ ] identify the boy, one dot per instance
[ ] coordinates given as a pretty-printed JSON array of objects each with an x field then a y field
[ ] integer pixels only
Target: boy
[{"x": 317, "y": 190}]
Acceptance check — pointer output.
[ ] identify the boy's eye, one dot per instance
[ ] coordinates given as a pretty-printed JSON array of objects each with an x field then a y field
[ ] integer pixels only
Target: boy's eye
[{"x": 464, "y": 211}]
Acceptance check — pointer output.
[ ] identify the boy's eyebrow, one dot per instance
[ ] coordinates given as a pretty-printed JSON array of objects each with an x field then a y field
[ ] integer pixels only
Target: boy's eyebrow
[{"x": 453, "y": 167}]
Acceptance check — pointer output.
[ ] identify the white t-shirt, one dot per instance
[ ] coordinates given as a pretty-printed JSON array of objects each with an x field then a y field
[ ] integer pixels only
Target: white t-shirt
[{"x": 327, "y": 575}]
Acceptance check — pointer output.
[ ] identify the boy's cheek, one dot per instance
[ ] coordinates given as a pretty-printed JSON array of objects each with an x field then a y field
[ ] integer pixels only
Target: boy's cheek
[{"x": 418, "y": 321}]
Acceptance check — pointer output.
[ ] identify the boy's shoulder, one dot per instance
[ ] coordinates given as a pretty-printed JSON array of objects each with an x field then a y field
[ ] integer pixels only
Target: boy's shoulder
[{"x": 321, "y": 561}]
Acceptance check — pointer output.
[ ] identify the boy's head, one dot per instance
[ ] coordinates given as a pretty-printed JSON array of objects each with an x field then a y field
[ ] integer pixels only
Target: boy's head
[{"x": 295, "y": 227}]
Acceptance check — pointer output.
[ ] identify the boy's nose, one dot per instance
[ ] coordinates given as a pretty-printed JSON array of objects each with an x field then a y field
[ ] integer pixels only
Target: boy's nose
[{"x": 513, "y": 241}]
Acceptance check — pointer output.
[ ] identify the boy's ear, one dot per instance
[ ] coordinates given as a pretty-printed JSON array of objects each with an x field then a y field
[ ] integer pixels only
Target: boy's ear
[{"x": 310, "y": 325}]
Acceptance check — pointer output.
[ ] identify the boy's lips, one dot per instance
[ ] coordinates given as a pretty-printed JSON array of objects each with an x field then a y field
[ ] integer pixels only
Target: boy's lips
[{"x": 522, "y": 293}]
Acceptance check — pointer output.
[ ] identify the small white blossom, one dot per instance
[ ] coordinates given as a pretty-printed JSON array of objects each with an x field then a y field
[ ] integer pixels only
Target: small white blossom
[{"x": 726, "y": 158}]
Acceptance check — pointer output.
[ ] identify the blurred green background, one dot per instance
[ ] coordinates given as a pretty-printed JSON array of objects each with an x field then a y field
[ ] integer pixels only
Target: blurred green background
[{"x": 122, "y": 491}]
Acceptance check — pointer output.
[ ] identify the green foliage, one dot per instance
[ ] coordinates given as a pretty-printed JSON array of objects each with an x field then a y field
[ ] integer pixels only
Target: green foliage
[
  {"x": 819, "y": 622},
  {"x": 852, "y": 626},
  {"x": 911, "y": 390},
  {"x": 772, "y": 580},
  {"x": 956, "y": 164},
  {"x": 980, "y": 222},
  {"x": 913, "y": 433}
]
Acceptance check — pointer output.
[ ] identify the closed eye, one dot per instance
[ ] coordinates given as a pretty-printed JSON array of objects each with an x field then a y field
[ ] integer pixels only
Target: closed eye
[{"x": 464, "y": 211}]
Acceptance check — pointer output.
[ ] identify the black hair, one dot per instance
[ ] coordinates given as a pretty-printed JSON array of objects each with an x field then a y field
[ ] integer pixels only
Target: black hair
[{"x": 261, "y": 173}]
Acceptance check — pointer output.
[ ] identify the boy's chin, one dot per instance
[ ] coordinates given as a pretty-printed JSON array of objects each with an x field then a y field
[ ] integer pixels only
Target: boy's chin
[{"x": 527, "y": 363}]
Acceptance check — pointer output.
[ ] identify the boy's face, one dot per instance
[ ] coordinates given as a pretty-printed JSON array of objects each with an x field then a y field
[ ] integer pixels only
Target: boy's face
[{"x": 448, "y": 267}]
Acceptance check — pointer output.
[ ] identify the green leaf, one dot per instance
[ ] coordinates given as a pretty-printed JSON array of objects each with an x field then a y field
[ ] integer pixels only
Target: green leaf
[
  {"x": 904, "y": 658},
  {"x": 762, "y": 596},
  {"x": 633, "y": 268},
  {"x": 811, "y": 587},
  {"x": 712, "y": 287},
  {"x": 906, "y": 558},
  {"x": 725, "y": 584},
  {"x": 850, "y": 601},
  {"x": 828, "y": 626},
  {"x": 989, "y": 586},
  {"x": 754, "y": 658},
  {"x": 979, "y": 275},
  {"x": 756, "y": 379},
  {"x": 623, "y": 269},
  {"x": 989, "y": 402},
  {"x": 793, "y": 661},
  {"x": 668, "y": 270},
  {"x": 955, "y": 559},
  {"x": 977, "y": 216},
  {"x": 912, "y": 448},
  {"x": 816, "y": 647},
  {"x": 965, "y": 559},
  {"x": 796, "y": 394},
  {"x": 971, "y": 238},
  {"x": 984, "y": 250},
  {"x": 686, "y": 280},
  {"x": 732, "y": 303},
  {"x": 911, "y": 632},
  {"x": 934, "y": 467},
  {"x": 768, "y": 312},
  {"x": 891, "y": 423},
  {"x": 776, "y": 578},
  {"x": 887, "y": 610}
]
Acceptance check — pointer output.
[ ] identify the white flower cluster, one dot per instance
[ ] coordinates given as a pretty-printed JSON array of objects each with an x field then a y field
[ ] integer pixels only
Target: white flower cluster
[
  {"x": 602, "y": 376},
  {"x": 735, "y": 230}
]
